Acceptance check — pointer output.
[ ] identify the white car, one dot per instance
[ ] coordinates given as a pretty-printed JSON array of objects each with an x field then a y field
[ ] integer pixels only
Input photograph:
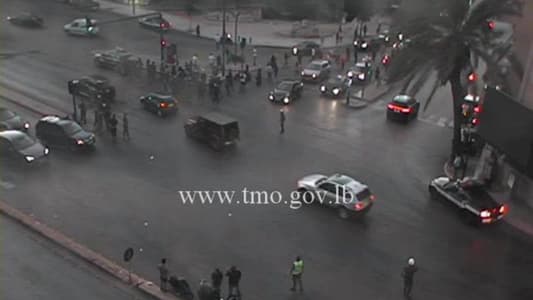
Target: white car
[
  {"x": 80, "y": 27},
  {"x": 347, "y": 195}
]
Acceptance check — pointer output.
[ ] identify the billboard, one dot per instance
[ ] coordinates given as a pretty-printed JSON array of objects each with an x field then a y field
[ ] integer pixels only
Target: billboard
[{"x": 508, "y": 126}]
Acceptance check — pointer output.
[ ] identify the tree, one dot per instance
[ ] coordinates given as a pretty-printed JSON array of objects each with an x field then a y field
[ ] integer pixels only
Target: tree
[{"x": 448, "y": 39}]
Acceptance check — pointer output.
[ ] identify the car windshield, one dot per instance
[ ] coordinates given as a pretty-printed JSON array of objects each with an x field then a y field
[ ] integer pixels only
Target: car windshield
[
  {"x": 6, "y": 114},
  {"x": 22, "y": 141},
  {"x": 364, "y": 194},
  {"x": 314, "y": 67},
  {"x": 71, "y": 128},
  {"x": 402, "y": 99},
  {"x": 284, "y": 86}
]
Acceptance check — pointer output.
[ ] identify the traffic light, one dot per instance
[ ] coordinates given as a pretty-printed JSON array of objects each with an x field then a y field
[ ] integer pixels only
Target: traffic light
[
  {"x": 163, "y": 42},
  {"x": 491, "y": 25},
  {"x": 163, "y": 25},
  {"x": 472, "y": 77}
]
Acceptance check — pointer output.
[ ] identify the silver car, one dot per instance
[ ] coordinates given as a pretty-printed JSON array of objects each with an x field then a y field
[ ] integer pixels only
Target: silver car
[
  {"x": 16, "y": 146},
  {"x": 80, "y": 27},
  {"x": 316, "y": 71},
  {"x": 10, "y": 120},
  {"x": 349, "y": 196}
]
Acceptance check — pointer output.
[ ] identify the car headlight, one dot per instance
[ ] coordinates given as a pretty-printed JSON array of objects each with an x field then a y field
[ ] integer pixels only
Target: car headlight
[
  {"x": 361, "y": 76},
  {"x": 26, "y": 125},
  {"x": 355, "y": 43},
  {"x": 29, "y": 158},
  {"x": 46, "y": 151},
  {"x": 387, "y": 39},
  {"x": 314, "y": 75},
  {"x": 323, "y": 88},
  {"x": 294, "y": 51},
  {"x": 286, "y": 100},
  {"x": 80, "y": 142},
  {"x": 271, "y": 97},
  {"x": 302, "y": 73},
  {"x": 350, "y": 74},
  {"x": 364, "y": 45},
  {"x": 336, "y": 91}
]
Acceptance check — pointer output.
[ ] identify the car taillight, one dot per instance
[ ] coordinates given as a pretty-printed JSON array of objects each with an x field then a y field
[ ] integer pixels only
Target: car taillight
[
  {"x": 485, "y": 214},
  {"x": 359, "y": 205},
  {"x": 477, "y": 109},
  {"x": 372, "y": 197},
  {"x": 163, "y": 105},
  {"x": 402, "y": 109},
  {"x": 503, "y": 209}
]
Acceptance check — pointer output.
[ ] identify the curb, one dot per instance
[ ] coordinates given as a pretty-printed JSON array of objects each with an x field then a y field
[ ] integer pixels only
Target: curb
[{"x": 88, "y": 255}]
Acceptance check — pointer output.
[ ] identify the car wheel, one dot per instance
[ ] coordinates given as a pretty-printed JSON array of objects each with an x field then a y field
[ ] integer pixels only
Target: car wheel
[
  {"x": 343, "y": 213},
  {"x": 433, "y": 193},
  {"x": 159, "y": 113}
]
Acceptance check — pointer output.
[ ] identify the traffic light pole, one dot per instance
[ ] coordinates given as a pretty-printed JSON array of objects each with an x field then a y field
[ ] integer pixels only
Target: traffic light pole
[
  {"x": 162, "y": 45},
  {"x": 75, "y": 111}
]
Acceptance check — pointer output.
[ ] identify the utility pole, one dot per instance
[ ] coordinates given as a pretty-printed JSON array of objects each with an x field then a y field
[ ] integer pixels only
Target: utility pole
[
  {"x": 133, "y": 6},
  {"x": 223, "y": 39},
  {"x": 236, "y": 24}
]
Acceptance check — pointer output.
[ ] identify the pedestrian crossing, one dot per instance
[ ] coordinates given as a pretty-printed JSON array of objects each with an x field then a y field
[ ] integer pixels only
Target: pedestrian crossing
[{"x": 432, "y": 119}]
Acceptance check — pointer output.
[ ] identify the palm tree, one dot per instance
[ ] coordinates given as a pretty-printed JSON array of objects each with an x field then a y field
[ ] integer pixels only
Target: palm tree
[{"x": 447, "y": 38}]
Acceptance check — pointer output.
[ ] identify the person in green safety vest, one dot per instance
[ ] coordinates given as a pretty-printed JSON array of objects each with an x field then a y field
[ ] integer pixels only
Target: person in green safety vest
[{"x": 296, "y": 273}]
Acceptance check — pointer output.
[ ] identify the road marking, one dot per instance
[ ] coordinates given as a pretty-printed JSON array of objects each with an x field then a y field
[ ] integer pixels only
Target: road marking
[
  {"x": 442, "y": 122},
  {"x": 7, "y": 185}
]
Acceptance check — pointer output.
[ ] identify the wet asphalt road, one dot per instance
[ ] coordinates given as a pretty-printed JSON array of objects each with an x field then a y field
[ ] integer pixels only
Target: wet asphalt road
[{"x": 118, "y": 197}]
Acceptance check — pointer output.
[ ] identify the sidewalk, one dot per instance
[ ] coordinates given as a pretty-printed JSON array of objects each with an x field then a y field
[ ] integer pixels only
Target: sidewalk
[
  {"x": 265, "y": 33},
  {"x": 520, "y": 215}
]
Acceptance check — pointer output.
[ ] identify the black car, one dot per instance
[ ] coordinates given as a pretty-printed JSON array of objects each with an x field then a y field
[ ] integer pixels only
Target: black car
[
  {"x": 18, "y": 146},
  {"x": 335, "y": 86},
  {"x": 215, "y": 129},
  {"x": 403, "y": 108},
  {"x": 287, "y": 91},
  {"x": 116, "y": 59},
  {"x": 471, "y": 198},
  {"x": 26, "y": 20},
  {"x": 154, "y": 22},
  {"x": 159, "y": 104},
  {"x": 10, "y": 120},
  {"x": 367, "y": 44},
  {"x": 63, "y": 133},
  {"x": 305, "y": 49},
  {"x": 95, "y": 87},
  {"x": 361, "y": 72}
]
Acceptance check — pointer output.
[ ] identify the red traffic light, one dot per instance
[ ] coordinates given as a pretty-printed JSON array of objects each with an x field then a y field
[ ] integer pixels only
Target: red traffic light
[
  {"x": 163, "y": 25},
  {"x": 477, "y": 109},
  {"x": 491, "y": 25},
  {"x": 475, "y": 121},
  {"x": 163, "y": 43},
  {"x": 472, "y": 77}
]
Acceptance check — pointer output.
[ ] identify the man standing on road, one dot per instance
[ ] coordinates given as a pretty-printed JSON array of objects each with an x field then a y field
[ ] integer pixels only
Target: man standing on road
[
  {"x": 216, "y": 281},
  {"x": 113, "y": 122},
  {"x": 125, "y": 127},
  {"x": 234, "y": 277},
  {"x": 197, "y": 30},
  {"x": 297, "y": 270},
  {"x": 282, "y": 121},
  {"x": 349, "y": 91},
  {"x": 254, "y": 56},
  {"x": 377, "y": 76},
  {"x": 83, "y": 113},
  {"x": 163, "y": 275},
  {"x": 286, "y": 59},
  {"x": 408, "y": 274}
]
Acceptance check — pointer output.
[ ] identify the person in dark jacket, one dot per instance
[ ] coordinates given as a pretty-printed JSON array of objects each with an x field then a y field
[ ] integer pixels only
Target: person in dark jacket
[
  {"x": 113, "y": 122},
  {"x": 216, "y": 281},
  {"x": 258, "y": 77},
  {"x": 408, "y": 275},
  {"x": 234, "y": 278}
]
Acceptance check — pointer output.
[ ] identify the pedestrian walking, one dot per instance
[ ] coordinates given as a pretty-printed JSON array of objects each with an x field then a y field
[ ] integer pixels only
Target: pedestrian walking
[
  {"x": 378, "y": 29},
  {"x": 297, "y": 270},
  {"x": 125, "y": 127},
  {"x": 205, "y": 291},
  {"x": 227, "y": 84},
  {"x": 83, "y": 112},
  {"x": 286, "y": 59},
  {"x": 216, "y": 282},
  {"x": 254, "y": 56},
  {"x": 355, "y": 56},
  {"x": 269, "y": 72},
  {"x": 282, "y": 121},
  {"x": 258, "y": 78},
  {"x": 113, "y": 122},
  {"x": 234, "y": 277},
  {"x": 349, "y": 91},
  {"x": 337, "y": 38},
  {"x": 364, "y": 30},
  {"x": 408, "y": 275},
  {"x": 197, "y": 30},
  {"x": 348, "y": 54},
  {"x": 97, "y": 125},
  {"x": 163, "y": 275},
  {"x": 250, "y": 41},
  {"x": 377, "y": 76},
  {"x": 243, "y": 80}
]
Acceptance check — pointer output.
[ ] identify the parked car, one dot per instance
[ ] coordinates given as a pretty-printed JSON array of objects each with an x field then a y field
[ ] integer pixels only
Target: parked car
[
  {"x": 403, "y": 108},
  {"x": 215, "y": 129},
  {"x": 63, "y": 133},
  {"x": 26, "y": 20},
  {"x": 159, "y": 104},
  {"x": 316, "y": 71},
  {"x": 82, "y": 27},
  {"x": 470, "y": 197},
  {"x": 11, "y": 121},
  {"x": 17, "y": 146},
  {"x": 286, "y": 91},
  {"x": 349, "y": 196}
]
